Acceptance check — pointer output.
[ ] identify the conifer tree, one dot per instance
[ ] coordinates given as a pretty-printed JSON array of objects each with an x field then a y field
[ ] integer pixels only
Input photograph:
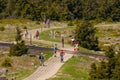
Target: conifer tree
[
  {"x": 19, "y": 48},
  {"x": 107, "y": 70},
  {"x": 18, "y": 37},
  {"x": 85, "y": 34}
]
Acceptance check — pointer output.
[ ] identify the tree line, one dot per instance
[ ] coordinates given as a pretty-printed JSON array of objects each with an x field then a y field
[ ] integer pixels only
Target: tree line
[{"x": 61, "y": 9}]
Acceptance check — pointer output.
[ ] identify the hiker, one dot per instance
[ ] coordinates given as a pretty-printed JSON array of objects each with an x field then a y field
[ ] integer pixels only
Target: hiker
[
  {"x": 62, "y": 53},
  {"x": 76, "y": 49},
  {"x": 26, "y": 34},
  {"x": 45, "y": 20},
  {"x": 55, "y": 49},
  {"x": 37, "y": 34},
  {"x": 48, "y": 22},
  {"x": 72, "y": 41},
  {"x": 62, "y": 41},
  {"x": 41, "y": 57}
]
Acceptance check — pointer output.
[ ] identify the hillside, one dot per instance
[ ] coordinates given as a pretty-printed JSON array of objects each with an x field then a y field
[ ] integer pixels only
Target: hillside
[{"x": 61, "y": 9}]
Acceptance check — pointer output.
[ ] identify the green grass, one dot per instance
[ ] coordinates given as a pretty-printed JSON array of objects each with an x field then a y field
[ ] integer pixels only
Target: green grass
[
  {"x": 108, "y": 34},
  {"x": 48, "y": 55},
  {"x": 76, "y": 68},
  {"x": 84, "y": 50},
  {"x": 39, "y": 44},
  {"x": 58, "y": 34}
]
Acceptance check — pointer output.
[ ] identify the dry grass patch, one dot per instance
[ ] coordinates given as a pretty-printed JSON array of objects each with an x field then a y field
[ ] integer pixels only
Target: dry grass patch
[{"x": 22, "y": 66}]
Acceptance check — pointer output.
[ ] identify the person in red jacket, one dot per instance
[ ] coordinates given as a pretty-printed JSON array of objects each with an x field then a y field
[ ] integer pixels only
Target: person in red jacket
[
  {"x": 76, "y": 50},
  {"x": 62, "y": 53}
]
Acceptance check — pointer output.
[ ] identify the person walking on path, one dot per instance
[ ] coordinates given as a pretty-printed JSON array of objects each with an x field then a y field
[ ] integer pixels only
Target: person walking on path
[
  {"x": 26, "y": 34},
  {"x": 41, "y": 58},
  {"x": 76, "y": 49},
  {"x": 37, "y": 34},
  {"x": 62, "y": 53},
  {"x": 55, "y": 49},
  {"x": 45, "y": 20},
  {"x": 48, "y": 22},
  {"x": 72, "y": 41},
  {"x": 62, "y": 41}
]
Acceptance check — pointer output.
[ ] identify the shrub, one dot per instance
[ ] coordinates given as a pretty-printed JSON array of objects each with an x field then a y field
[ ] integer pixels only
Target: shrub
[
  {"x": 2, "y": 28},
  {"x": 24, "y": 27},
  {"x": 85, "y": 33},
  {"x": 107, "y": 69},
  {"x": 7, "y": 62},
  {"x": 37, "y": 22},
  {"x": 70, "y": 23},
  {"x": 18, "y": 49}
]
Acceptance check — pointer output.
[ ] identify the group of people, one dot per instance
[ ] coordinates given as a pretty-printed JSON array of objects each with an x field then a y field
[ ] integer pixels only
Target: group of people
[
  {"x": 37, "y": 34},
  {"x": 26, "y": 34},
  {"x": 61, "y": 52},
  {"x": 55, "y": 49}
]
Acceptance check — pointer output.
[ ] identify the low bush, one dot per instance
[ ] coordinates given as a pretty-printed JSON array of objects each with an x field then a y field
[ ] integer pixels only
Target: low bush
[
  {"x": 70, "y": 23},
  {"x": 37, "y": 22},
  {"x": 7, "y": 62},
  {"x": 2, "y": 28},
  {"x": 18, "y": 49}
]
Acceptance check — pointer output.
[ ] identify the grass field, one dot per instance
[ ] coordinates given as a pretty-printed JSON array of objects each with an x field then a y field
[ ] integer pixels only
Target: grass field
[
  {"x": 68, "y": 32},
  {"x": 58, "y": 32},
  {"x": 76, "y": 68},
  {"x": 10, "y": 25},
  {"x": 108, "y": 34},
  {"x": 23, "y": 66}
]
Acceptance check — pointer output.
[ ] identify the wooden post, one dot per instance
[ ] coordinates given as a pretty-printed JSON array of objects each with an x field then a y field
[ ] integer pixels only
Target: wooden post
[
  {"x": 30, "y": 39},
  {"x": 54, "y": 34}
]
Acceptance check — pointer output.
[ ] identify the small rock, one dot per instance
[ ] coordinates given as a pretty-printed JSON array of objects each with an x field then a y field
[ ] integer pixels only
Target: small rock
[
  {"x": 3, "y": 71},
  {"x": 106, "y": 45},
  {"x": 32, "y": 64},
  {"x": 35, "y": 66}
]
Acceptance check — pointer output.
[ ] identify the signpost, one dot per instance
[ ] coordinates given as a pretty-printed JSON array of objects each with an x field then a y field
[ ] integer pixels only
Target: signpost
[
  {"x": 76, "y": 48},
  {"x": 30, "y": 39},
  {"x": 52, "y": 34}
]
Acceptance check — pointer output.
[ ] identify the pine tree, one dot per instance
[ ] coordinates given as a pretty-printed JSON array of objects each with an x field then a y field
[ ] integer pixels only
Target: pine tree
[
  {"x": 107, "y": 70},
  {"x": 19, "y": 48},
  {"x": 85, "y": 34},
  {"x": 18, "y": 37},
  {"x": 90, "y": 9},
  {"x": 93, "y": 73}
]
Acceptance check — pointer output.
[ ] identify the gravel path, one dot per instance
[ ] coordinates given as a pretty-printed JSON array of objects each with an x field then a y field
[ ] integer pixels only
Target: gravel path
[{"x": 53, "y": 64}]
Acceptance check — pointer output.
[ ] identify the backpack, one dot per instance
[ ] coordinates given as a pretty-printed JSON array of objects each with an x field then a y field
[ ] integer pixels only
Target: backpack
[
  {"x": 41, "y": 57},
  {"x": 55, "y": 48}
]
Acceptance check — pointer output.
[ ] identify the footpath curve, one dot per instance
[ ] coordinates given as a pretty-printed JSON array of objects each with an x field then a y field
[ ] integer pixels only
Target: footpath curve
[{"x": 53, "y": 64}]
